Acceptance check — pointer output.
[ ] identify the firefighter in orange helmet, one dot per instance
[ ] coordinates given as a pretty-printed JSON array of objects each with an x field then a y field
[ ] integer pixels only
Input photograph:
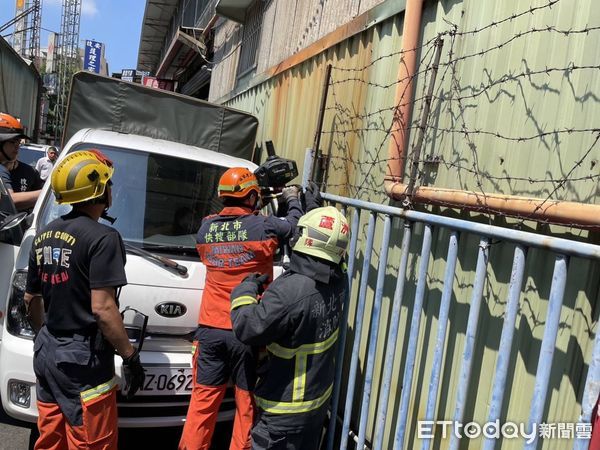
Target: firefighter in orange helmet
[
  {"x": 76, "y": 266},
  {"x": 21, "y": 180},
  {"x": 235, "y": 242}
]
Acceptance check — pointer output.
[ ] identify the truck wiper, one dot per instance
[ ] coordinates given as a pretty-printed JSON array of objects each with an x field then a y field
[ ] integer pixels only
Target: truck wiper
[
  {"x": 181, "y": 270},
  {"x": 169, "y": 248}
]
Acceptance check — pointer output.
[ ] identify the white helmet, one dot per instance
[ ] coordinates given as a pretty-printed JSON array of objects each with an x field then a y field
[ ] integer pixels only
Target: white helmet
[{"x": 324, "y": 234}]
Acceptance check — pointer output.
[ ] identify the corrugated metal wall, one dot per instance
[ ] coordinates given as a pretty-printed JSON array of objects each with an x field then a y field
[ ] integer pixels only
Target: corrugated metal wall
[
  {"x": 512, "y": 102},
  {"x": 20, "y": 86},
  {"x": 531, "y": 81}
]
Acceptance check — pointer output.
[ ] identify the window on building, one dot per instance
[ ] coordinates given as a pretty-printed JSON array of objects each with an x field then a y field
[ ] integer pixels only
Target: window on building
[{"x": 251, "y": 37}]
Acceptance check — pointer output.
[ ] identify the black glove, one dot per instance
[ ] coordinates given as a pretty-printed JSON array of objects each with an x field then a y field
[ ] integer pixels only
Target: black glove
[
  {"x": 290, "y": 192},
  {"x": 134, "y": 374},
  {"x": 259, "y": 280},
  {"x": 312, "y": 197}
]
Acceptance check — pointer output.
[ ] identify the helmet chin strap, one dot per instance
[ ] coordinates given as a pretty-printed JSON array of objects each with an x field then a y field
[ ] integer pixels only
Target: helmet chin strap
[{"x": 105, "y": 216}]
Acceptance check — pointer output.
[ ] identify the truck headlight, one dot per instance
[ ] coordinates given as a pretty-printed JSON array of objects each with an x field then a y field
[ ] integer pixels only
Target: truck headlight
[
  {"x": 20, "y": 393},
  {"x": 17, "y": 323}
]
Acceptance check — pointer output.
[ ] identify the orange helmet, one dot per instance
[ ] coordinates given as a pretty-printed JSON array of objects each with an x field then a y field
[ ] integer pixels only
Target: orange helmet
[
  {"x": 10, "y": 128},
  {"x": 237, "y": 182}
]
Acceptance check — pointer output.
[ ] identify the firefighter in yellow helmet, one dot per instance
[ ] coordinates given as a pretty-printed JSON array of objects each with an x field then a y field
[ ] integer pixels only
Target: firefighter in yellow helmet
[
  {"x": 297, "y": 319},
  {"x": 76, "y": 266}
]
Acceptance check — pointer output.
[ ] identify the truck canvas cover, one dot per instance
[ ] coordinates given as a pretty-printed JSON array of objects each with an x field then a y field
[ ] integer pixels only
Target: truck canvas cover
[{"x": 110, "y": 104}]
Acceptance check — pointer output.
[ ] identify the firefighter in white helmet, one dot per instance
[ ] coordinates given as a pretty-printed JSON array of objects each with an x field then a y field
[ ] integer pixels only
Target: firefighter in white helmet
[{"x": 297, "y": 319}]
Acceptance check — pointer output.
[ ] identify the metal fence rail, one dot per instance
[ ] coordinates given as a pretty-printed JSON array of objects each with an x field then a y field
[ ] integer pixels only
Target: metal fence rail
[{"x": 562, "y": 249}]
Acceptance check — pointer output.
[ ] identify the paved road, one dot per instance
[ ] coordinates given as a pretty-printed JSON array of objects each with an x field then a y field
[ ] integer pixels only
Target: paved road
[
  {"x": 16, "y": 435},
  {"x": 13, "y": 434}
]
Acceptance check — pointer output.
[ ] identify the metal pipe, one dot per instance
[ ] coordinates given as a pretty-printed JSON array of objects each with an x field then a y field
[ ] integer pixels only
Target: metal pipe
[
  {"x": 591, "y": 391},
  {"x": 372, "y": 342},
  {"x": 416, "y": 156},
  {"x": 411, "y": 353},
  {"x": 319, "y": 127},
  {"x": 562, "y": 246},
  {"x": 470, "y": 335},
  {"x": 440, "y": 344},
  {"x": 506, "y": 338},
  {"x": 308, "y": 163},
  {"x": 554, "y": 211},
  {"x": 390, "y": 353},
  {"x": 343, "y": 331},
  {"x": 544, "y": 367},
  {"x": 360, "y": 315},
  {"x": 407, "y": 68}
]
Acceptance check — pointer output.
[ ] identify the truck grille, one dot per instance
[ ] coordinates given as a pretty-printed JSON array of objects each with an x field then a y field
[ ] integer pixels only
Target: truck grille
[{"x": 164, "y": 405}]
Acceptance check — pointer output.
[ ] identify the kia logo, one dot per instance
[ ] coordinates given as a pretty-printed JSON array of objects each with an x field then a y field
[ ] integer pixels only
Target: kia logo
[{"x": 170, "y": 309}]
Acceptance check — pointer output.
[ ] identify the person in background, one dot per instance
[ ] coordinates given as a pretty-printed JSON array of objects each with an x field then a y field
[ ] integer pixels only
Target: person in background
[
  {"x": 297, "y": 319},
  {"x": 21, "y": 180},
  {"x": 45, "y": 164}
]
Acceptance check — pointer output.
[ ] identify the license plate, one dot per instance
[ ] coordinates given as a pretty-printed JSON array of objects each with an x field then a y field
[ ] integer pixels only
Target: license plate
[{"x": 167, "y": 381}]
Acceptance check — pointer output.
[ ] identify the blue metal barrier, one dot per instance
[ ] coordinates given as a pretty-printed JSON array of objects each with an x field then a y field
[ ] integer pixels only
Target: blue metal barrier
[
  {"x": 415, "y": 324},
  {"x": 375, "y": 316},
  {"x": 434, "y": 382},
  {"x": 506, "y": 338},
  {"x": 392, "y": 338},
  {"x": 557, "y": 292},
  {"x": 562, "y": 249},
  {"x": 360, "y": 314},
  {"x": 472, "y": 324},
  {"x": 343, "y": 331}
]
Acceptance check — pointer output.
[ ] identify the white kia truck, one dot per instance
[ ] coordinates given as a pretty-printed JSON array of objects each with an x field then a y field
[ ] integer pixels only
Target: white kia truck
[{"x": 165, "y": 182}]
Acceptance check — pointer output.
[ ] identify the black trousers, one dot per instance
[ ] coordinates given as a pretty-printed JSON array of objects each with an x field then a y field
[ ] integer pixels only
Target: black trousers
[
  {"x": 67, "y": 366},
  {"x": 305, "y": 435}
]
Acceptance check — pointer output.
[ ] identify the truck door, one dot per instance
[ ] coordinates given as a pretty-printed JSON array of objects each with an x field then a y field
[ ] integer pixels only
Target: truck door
[{"x": 11, "y": 234}]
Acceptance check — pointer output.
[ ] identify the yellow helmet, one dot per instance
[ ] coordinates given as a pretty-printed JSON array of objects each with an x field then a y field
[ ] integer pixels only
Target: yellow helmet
[
  {"x": 81, "y": 176},
  {"x": 324, "y": 234}
]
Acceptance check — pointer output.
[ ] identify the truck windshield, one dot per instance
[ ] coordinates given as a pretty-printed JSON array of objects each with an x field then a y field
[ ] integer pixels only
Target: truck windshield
[{"x": 158, "y": 200}]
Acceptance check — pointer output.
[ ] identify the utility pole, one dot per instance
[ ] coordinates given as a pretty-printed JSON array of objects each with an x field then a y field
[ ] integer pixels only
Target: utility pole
[{"x": 68, "y": 59}]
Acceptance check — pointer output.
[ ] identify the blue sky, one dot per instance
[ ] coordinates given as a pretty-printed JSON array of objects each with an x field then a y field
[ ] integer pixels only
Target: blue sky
[{"x": 116, "y": 23}]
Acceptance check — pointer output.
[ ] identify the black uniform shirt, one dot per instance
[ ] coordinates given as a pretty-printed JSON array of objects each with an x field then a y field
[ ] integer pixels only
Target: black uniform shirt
[
  {"x": 24, "y": 178},
  {"x": 5, "y": 176},
  {"x": 69, "y": 257},
  {"x": 297, "y": 319}
]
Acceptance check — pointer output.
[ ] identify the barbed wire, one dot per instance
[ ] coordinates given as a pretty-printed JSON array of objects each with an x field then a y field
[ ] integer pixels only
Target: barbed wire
[
  {"x": 503, "y": 79},
  {"x": 454, "y": 27},
  {"x": 465, "y": 168},
  {"x": 452, "y": 136}
]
